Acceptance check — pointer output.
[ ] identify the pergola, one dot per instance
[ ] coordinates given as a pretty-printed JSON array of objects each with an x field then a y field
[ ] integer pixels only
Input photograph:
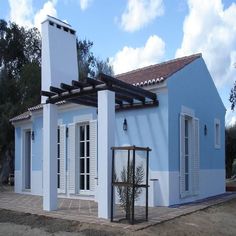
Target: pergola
[
  {"x": 126, "y": 95},
  {"x": 107, "y": 94}
]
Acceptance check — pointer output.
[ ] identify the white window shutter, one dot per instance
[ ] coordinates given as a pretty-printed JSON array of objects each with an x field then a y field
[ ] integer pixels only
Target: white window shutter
[
  {"x": 71, "y": 157},
  {"x": 182, "y": 162},
  {"x": 93, "y": 153},
  {"x": 196, "y": 158},
  {"x": 62, "y": 158}
]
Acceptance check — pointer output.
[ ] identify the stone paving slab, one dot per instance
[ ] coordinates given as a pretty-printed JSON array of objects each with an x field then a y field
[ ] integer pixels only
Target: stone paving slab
[{"x": 85, "y": 211}]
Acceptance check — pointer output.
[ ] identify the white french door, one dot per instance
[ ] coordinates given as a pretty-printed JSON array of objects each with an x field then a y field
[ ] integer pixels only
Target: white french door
[
  {"x": 83, "y": 158},
  {"x": 189, "y": 155}
]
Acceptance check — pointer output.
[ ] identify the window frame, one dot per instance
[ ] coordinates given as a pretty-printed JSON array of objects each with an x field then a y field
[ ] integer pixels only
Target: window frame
[{"x": 217, "y": 133}]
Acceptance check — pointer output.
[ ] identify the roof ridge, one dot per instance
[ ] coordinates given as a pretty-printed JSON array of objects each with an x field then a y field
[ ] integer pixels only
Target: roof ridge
[{"x": 197, "y": 55}]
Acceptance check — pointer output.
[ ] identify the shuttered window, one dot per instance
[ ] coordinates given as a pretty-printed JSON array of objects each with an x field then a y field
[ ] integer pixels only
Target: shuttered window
[
  {"x": 93, "y": 154},
  {"x": 71, "y": 157},
  {"x": 61, "y": 158},
  {"x": 189, "y": 155}
]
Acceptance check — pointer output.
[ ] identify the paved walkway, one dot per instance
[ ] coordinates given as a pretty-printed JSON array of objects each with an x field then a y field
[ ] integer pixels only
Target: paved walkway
[{"x": 86, "y": 211}]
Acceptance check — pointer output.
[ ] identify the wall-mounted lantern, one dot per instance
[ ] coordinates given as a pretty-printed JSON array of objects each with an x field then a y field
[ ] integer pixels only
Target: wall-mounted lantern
[
  {"x": 205, "y": 130},
  {"x": 32, "y": 135},
  {"x": 125, "y": 125}
]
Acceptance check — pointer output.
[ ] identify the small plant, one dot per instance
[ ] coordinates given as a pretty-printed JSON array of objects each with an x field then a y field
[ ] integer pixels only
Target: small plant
[{"x": 125, "y": 192}]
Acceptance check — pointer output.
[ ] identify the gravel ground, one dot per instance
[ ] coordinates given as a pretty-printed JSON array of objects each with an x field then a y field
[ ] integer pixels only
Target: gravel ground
[{"x": 216, "y": 220}]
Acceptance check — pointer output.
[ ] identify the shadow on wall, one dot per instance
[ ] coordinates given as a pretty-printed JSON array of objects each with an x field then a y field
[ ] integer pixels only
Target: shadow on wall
[{"x": 146, "y": 128}]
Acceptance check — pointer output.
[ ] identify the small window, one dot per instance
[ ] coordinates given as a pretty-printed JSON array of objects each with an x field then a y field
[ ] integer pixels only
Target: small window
[{"x": 217, "y": 133}]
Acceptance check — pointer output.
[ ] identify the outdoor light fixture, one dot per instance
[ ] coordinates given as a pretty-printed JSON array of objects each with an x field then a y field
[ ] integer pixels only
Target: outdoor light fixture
[
  {"x": 125, "y": 126},
  {"x": 32, "y": 135},
  {"x": 205, "y": 130}
]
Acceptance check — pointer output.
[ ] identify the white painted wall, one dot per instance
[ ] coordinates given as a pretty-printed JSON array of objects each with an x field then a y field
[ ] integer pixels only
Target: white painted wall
[
  {"x": 36, "y": 183},
  {"x": 106, "y": 120},
  {"x": 211, "y": 183},
  {"x": 59, "y": 54},
  {"x": 18, "y": 181}
]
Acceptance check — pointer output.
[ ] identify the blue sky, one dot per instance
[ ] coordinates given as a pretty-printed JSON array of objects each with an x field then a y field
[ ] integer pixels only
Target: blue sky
[{"x": 136, "y": 33}]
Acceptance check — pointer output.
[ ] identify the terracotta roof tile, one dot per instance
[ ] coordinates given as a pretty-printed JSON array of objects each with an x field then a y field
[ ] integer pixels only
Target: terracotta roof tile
[
  {"x": 24, "y": 116},
  {"x": 156, "y": 73}
]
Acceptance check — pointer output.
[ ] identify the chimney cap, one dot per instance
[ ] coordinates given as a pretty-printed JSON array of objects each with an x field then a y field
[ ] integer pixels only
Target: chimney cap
[{"x": 57, "y": 21}]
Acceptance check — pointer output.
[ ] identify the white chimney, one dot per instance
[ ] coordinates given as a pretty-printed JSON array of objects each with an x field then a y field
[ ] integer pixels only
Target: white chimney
[{"x": 59, "y": 55}]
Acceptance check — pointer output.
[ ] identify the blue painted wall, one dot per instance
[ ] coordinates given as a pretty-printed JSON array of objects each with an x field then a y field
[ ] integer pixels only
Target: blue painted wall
[
  {"x": 193, "y": 87},
  {"x": 18, "y": 150},
  {"x": 146, "y": 128},
  {"x": 37, "y": 143}
]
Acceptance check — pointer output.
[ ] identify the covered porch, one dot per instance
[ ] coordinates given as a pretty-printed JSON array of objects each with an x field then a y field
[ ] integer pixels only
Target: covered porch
[{"x": 108, "y": 95}]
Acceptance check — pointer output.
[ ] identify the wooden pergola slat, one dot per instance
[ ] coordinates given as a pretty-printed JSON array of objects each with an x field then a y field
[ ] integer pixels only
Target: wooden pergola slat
[
  {"x": 79, "y": 84},
  {"x": 47, "y": 94},
  {"x": 56, "y": 90},
  {"x": 66, "y": 87},
  {"x": 110, "y": 80}
]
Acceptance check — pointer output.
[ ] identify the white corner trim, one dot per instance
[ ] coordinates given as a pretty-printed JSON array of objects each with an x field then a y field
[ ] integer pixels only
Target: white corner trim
[
  {"x": 187, "y": 111},
  {"x": 83, "y": 118},
  {"x": 217, "y": 133}
]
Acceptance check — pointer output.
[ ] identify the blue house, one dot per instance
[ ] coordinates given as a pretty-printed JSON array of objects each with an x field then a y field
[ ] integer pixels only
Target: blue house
[{"x": 185, "y": 132}]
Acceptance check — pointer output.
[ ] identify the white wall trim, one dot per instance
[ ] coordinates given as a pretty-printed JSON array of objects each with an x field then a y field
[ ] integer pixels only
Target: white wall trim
[
  {"x": 24, "y": 129},
  {"x": 82, "y": 118},
  {"x": 187, "y": 111},
  {"x": 217, "y": 134}
]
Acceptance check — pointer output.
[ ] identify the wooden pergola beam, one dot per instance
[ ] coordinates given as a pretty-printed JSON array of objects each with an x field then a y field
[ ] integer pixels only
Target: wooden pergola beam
[
  {"x": 110, "y": 80},
  {"x": 125, "y": 98},
  {"x": 83, "y": 102},
  {"x": 126, "y": 93},
  {"x": 76, "y": 93},
  {"x": 86, "y": 93},
  {"x": 93, "y": 82},
  {"x": 137, "y": 105}
]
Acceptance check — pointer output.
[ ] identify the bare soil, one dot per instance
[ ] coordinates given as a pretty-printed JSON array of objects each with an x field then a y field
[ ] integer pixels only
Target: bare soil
[{"x": 216, "y": 220}]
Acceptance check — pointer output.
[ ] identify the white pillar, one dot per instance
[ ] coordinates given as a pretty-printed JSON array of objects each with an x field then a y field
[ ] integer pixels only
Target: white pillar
[
  {"x": 106, "y": 128},
  {"x": 49, "y": 157}
]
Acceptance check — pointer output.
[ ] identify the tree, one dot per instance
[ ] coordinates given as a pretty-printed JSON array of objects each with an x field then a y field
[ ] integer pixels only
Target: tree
[
  {"x": 103, "y": 67},
  {"x": 20, "y": 79},
  {"x": 232, "y": 97},
  {"x": 20, "y": 63},
  {"x": 230, "y": 149},
  {"x": 125, "y": 193},
  {"x": 88, "y": 64}
]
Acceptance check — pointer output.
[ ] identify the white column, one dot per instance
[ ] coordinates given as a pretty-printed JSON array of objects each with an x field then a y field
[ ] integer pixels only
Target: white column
[
  {"x": 49, "y": 157},
  {"x": 106, "y": 128}
]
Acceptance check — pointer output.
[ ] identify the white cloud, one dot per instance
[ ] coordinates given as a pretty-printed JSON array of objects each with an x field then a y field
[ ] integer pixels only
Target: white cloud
[
  {"x": 84, "y": 4},
  {"x": 230, "y": 118},
  {"x": 21, "y": 12},
  {"x": 131, "y": 58},
  {"x": 49, "y": 8},
  {"x": 211, "y": 29},
  {"x": 139, "y": 13}
]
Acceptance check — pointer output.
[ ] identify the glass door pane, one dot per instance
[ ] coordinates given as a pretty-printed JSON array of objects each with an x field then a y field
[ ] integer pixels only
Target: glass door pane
[{"x": 84, "y": 144}]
